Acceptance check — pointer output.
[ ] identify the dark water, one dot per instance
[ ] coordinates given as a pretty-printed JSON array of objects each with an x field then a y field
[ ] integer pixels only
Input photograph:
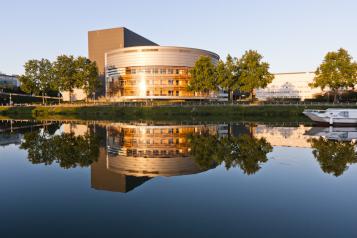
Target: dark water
[{"x": 140, "y": 179}]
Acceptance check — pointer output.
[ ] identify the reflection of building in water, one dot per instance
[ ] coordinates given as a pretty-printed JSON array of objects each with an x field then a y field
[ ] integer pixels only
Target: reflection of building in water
[
  {"x": 77, "y": 129},
  {"x": 298, "y": 136},
  {"x": 137, "y": 153},
  {"x": 9, "y": 139},
  {"x": 104, "y": 179},
  {"x": 284, "y": 136},
  {"x": 334, "y": 133}
]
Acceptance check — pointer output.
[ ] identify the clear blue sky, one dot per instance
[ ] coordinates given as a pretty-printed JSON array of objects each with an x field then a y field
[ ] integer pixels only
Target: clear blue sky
[{"x": 291, "y": 35}]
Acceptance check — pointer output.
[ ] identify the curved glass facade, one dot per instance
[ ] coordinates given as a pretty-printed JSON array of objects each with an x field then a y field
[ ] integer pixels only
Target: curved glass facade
[
  {"x": 153, "y": 150},
  {"x": 152, "y": 72}
]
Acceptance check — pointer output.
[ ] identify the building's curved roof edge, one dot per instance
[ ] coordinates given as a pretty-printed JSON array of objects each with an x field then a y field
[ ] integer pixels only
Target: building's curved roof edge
[{"x": 161, "y": 46}]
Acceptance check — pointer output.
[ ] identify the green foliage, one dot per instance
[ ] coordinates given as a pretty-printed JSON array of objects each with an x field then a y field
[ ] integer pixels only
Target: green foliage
[
  {"x": 68, "y": 150},
  {"x": 203, "y": 76},
  {"x": 253, "y": 73},
  {"x": 65, "y": 74},
  {"x": 244, "y": 74},
  {"x": 38, "y": 78},
  {"x": 65, "y": 69},
  {"x": 245, "y": 152},
  {"x": 337, "y": 71},
  {"x": 87, "y": 75},
  {"x": 227, "y": 75},
  {"x": 333, "y": 156},
  {"x": 204, "y": 149}
]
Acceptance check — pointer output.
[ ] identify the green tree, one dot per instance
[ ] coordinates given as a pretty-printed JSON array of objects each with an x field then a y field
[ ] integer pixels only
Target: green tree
[
  {"x": 227, "y": 75},
  {"x": 337, "y": 71},
  {"x": 66, "y": 74},
  {"x": 87, "y": 75},
  {"x": 203, "y": 76},
  {"x": 244, "y": 151},
  {"x": 333, "y": 156},
  {"x": 38, "y": 78},
  {"x": 204, "y": 149},
  {"x": 253, "y": 73},
  {"x": 39, "y": 148},
  {"x": 68, "y": 150}
]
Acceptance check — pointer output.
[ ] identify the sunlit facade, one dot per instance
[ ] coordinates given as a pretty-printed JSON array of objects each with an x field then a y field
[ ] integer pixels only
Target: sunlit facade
[
  {"x": 145, "y": 150},
  {"x": 152, "y": 72}
]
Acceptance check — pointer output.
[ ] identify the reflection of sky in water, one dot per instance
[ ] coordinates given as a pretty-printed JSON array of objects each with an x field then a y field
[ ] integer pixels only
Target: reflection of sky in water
[{"x": 288, "y": 197}]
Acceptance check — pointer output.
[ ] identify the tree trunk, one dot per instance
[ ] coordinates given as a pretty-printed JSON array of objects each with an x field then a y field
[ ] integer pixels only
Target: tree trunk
[
  {"x": 251, "y": 96},
  {"x": 43, "y": 98},
  {"x": 70, "y": 96},
  {"x": 335, "y": 96}
]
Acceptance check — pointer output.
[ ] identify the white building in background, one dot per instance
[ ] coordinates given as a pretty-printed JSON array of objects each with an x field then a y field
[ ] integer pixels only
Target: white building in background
[
  {"x": 289, "y": 85},
  {"x": 78, "y": 94},
  {"x": 9, "y": 81}
]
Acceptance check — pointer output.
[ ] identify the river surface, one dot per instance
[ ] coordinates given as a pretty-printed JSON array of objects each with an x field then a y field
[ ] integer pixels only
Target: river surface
[{"x": 165, "y": 179}]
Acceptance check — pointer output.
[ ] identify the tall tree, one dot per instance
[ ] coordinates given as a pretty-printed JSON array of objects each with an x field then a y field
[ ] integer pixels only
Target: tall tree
[
  {"x": 337, "y": 71},
  {"x": 87, "y": 75},
  {"x": 245, "y": 151},
  {"x": 203, "y": 76},
  {"x": 253, "y": 73},
  {"x": 38, "y": 78},
  {"x": 66, "y": 74},
  {"x": 333, "y": 156},
  {"x": 66, "y": 149},
  {"x": 227, "y": 75}
]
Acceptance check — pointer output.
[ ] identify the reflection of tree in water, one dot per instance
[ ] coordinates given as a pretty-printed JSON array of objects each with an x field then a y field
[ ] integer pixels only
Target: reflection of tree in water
[
  {"x": 244, "y": 151},
  {"x": 333, "y": 156},
  {"x": 204, "y": 149},
  {"x": 68, "y": 150}
]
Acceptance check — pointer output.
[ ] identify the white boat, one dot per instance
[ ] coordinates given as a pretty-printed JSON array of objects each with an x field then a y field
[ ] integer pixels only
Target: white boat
[
  {"x": 333, "y": 115},
  {"x": 334, "y": 133}
]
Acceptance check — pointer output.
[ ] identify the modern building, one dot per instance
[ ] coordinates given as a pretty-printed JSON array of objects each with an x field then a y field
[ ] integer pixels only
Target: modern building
[
  {"x": 152, "y": 72},
  {"x": 289, "y": 86},
  {"x": 137, "y": 152},
  {"x": 9, "y": 81},
  {"x": 102, "y": 41},
  {"x": 135, "y": 68}
]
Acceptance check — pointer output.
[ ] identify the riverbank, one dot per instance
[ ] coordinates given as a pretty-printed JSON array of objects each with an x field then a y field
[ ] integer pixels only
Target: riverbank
[{"x": 163, "y": 112}]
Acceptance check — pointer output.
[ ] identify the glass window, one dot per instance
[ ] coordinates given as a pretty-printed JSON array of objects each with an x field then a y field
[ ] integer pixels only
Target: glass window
[
  {"x": 171, "y": 82},
  {"x": 162, "y": 71},
  {"x": 177, "y": 71},
  {"x": 170, "y": 71},
  {"x": 177, "y": 93},
  {"x": 177, "y": 82},
  {"x": 156, "y": 71},
  {"x": 133, "y": 71},
  {"x": 343, "y": 114}
]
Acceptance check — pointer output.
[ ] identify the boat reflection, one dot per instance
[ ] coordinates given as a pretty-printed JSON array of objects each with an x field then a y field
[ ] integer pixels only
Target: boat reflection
[
  {"x": 123, "y": 156},
  {"x": 334, "y": 133}
]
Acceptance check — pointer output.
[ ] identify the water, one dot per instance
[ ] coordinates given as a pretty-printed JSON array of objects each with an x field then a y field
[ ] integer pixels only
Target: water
[{"x": 135, "y": 179}]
